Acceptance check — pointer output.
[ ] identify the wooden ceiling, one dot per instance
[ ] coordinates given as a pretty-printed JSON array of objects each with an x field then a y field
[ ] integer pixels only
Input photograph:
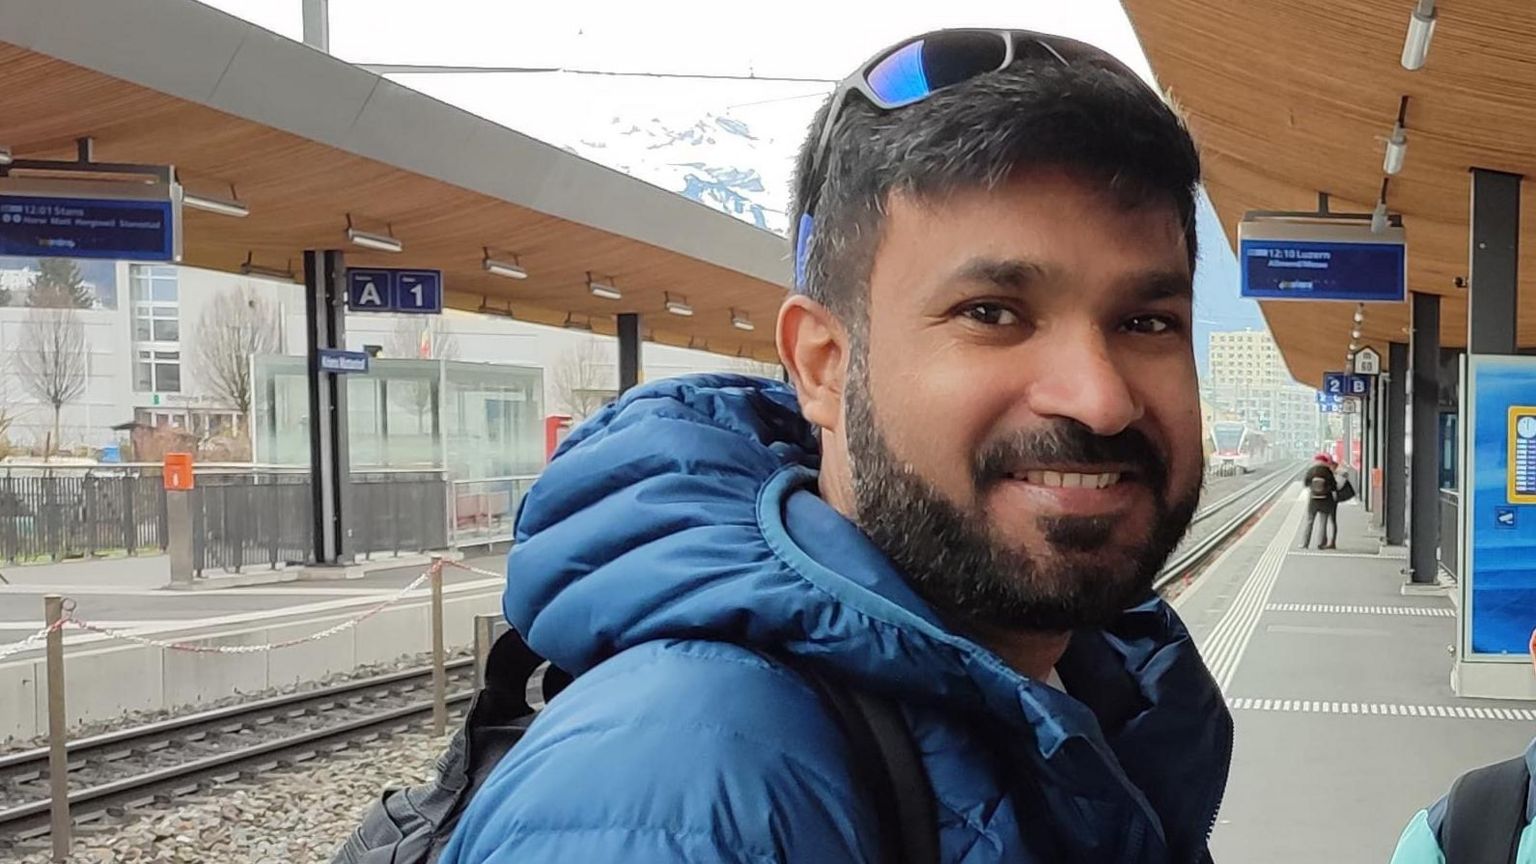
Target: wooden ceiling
[
  {"x": 300, "y": 192},
  {"x": 1290, "y": 99}
]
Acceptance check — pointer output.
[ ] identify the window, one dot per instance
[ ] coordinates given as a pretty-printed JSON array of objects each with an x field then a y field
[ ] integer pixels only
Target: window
[
  {"x": 156, "y": 329},
  {"x": 157, "y": 371}
]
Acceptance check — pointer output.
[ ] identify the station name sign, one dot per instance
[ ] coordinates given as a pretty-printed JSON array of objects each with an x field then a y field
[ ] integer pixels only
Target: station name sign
[
  {"x": 1283, "y": 259},
  {"x": 90, "y": 219},
  {"x": 342, "y": 362}
]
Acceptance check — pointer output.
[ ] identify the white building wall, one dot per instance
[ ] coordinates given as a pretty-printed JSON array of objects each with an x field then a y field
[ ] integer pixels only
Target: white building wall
[{"x": 112, "y": 397}]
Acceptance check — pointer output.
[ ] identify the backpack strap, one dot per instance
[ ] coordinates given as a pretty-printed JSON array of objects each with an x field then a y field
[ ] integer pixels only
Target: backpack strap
[
  {"x": 888, "y": 766},
  {"x": 1485, "y": 814}
]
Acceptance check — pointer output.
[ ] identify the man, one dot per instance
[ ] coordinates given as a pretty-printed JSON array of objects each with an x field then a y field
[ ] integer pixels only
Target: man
[
  {"x": 1438, "y": 835},
  {"x": 992, "y": 446},
  {"x": 1322, "y": 486}
]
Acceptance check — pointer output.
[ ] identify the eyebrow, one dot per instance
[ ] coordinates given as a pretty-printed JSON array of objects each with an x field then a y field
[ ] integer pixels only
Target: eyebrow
[{"x": 1019, "y": 275}]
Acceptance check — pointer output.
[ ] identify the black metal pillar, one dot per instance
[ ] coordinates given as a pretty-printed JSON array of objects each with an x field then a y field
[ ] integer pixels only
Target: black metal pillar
[
  {"x": 329, "y": 466},
  {"x": 1395, "y": 469},
  {"x": 1367, "y": 445},
  {"x": 1424, "y": 469},
  {"x": 1491, "y": 302},
  {"x": 629, "y": 350}
]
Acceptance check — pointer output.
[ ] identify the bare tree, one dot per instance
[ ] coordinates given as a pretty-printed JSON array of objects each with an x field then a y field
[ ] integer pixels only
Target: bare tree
[
  {"x": 583, "y": 380},
  {"x": 235, "y": 327},
  {"x": 51, "y": 360},
  {"x": 422, "y": 338},
  {"x": 418, "y": 338}
]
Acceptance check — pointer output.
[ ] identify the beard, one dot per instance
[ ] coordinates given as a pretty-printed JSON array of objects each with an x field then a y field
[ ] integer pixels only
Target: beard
[{"x": 1080, "y": 579}]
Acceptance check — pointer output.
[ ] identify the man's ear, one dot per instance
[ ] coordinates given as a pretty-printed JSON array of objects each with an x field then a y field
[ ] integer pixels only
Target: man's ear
[{"x": 814, "y": 347}]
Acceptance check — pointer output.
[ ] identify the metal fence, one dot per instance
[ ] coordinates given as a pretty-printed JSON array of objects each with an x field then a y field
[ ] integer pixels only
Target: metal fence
[
  {"x": 482, "y": 511},
  {"x": 250, "y": 519},
  {"x": 394, "y": 512},
  {"x": 49, "y": 514},
  {"x": 243, "y": 516},
  {"x": 264, "y": 519},
  {"x": 1450, "y": 525}
]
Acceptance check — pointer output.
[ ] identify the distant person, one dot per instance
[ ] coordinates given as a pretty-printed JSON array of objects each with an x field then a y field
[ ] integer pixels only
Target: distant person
[
  {"x": 1489, "y": 816},
  {"x": 991, "y": 447},
  {"x": 1322, "y": 487}
]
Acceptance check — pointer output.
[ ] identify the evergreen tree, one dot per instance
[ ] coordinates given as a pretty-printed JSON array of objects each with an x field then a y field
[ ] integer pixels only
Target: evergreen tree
[{"x": 59, "y": 285}]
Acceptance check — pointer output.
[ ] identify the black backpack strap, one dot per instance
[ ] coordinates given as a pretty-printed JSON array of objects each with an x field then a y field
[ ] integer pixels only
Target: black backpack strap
[
  {"x": 1485, "y": 814},
  {"x": 888, "y": 765}
]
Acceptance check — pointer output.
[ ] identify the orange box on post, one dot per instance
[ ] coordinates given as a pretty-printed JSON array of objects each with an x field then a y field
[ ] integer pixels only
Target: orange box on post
[{"x": 178, "y": 472}]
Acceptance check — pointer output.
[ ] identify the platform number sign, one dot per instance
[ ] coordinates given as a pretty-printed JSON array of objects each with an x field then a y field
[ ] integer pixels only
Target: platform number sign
[
  {"x": 378, "y": 289},
  {"x": 1344, "y": 385}
]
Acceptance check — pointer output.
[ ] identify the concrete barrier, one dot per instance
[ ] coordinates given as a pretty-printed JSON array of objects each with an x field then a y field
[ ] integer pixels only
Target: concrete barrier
[{"x": 105, "y": 679}]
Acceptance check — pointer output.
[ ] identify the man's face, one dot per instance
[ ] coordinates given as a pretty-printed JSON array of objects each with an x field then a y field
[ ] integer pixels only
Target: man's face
[{"x": 1022, "y": 415}]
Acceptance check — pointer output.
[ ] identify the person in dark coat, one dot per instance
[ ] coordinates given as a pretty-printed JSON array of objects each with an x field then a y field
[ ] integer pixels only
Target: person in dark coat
[{"x": 1322, "y": 501}]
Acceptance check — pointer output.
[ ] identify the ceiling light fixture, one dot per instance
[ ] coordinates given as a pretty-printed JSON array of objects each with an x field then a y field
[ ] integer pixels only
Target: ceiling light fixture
[
  {"x": 605, "y": 290},
  {"x": 5, "y": 156},
  {"x": 1397, "y": 148},
  {"x": 741, "y": 321},
  {"x": 678, "y": 306},
  {"x": 496, "y": 267},
  {"x": 1360, "y": 313},
  {"x": 487, "y": 309},
  {"x": 376, "y": 242},
  {"x": 230, "y": 206},
  {"x": 1421, "y": 27},
  {"x": 250, "y": 268},
  {"x": 572, "y": 324}
]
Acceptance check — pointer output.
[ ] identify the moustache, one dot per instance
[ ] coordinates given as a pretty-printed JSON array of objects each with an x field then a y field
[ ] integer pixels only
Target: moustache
[{"x": 1070, "y": 442}]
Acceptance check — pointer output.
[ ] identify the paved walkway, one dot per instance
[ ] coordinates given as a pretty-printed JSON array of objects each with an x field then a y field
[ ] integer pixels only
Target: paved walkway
[{"x": 1340, "y": 686}]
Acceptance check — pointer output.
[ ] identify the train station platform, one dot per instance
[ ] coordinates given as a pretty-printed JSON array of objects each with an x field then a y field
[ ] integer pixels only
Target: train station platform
[{"x": 1340, "y": 689}]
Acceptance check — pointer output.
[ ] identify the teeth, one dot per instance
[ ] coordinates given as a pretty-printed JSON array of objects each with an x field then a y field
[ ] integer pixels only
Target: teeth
[{"x": 1071, "y": 479}]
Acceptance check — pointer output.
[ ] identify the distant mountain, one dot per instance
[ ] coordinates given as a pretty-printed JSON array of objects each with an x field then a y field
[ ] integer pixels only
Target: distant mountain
[{"x": 715, "y": 160}]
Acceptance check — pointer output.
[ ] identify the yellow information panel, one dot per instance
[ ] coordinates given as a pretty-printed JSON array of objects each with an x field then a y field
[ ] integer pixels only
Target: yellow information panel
[{"x": 1522, "y": 454}]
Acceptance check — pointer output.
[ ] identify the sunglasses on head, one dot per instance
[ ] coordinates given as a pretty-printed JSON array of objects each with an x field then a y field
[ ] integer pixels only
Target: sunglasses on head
[{"x": 917, "y": 68}]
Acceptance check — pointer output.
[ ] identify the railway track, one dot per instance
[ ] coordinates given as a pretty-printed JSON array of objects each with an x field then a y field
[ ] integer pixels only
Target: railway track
[
  {"x": 1223, "y": 519},
  {"x": 117, "y": 772}
]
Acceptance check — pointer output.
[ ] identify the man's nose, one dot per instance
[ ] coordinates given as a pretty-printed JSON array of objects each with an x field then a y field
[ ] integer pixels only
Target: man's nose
[{"x": 1082, "y": 381}]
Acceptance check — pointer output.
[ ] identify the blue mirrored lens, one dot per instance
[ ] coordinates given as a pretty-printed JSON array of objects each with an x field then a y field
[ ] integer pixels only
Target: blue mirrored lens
[
  {"x": 916, "y": 70},
  {"x": 900, "y": 78}
]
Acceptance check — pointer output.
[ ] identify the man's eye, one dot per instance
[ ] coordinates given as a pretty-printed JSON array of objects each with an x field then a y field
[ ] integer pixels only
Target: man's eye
[
  {"x": 991, "y": 314},
  {"x": 1150, "y": 324}
]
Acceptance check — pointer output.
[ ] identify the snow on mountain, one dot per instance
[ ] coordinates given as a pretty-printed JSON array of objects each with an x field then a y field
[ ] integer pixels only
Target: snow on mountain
[{"x": 716, "y": 160}]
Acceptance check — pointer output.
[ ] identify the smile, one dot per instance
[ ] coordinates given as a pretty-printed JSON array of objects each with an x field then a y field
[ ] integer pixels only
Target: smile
[{"x": 1069, "y": 479}]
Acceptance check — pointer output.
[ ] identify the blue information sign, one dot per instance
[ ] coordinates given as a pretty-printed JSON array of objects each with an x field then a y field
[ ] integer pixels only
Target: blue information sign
[
  {"x": 418, "y": 291},
  {"x": 1312, "y": 270},
  {"x": 1329, "y": 403},
  {"x": 384, "y": 289},
  {"x": 369, "y": 290},
  {"x": 1343, "y": 384},
  {"x": 342, "y": 362},
  {"x": 43, "y": 227},
  {"x": 1498, "y": 564}
]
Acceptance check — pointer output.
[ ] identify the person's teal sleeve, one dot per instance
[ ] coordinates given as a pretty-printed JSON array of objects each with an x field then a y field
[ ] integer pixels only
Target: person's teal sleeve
[{"x": 1418, "y": 844}]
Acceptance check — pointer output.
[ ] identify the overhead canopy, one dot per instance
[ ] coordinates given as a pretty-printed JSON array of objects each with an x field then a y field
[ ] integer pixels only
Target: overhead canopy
[
  {"x": 306, "y": 139},
  {"x": 1288, "y": 100}
]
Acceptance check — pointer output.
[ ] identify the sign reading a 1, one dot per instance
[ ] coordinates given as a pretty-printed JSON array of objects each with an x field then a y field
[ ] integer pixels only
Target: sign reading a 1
[
  {"x": 379, "y": 289},
  {"x": 418, "y": 291}
]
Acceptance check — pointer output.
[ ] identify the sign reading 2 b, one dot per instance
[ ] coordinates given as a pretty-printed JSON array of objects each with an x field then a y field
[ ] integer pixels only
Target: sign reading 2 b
[
  {"x": 1344, "y": 384},
  {"x": 379, "y": 289}
]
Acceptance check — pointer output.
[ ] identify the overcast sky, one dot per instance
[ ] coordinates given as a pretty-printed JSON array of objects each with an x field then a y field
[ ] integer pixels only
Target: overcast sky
[{"x": 793, "y": 38}]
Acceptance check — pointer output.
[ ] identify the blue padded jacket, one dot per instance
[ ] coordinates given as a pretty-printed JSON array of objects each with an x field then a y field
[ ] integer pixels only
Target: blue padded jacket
[{"x": 675, "y": 538}]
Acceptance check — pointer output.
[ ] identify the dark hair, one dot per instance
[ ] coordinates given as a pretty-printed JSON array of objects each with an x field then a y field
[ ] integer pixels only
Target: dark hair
[{"x": 1088, "y": 118}]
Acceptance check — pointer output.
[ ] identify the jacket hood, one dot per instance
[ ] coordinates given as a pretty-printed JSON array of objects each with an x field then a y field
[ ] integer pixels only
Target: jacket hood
[{"x": 687, "y": 510}]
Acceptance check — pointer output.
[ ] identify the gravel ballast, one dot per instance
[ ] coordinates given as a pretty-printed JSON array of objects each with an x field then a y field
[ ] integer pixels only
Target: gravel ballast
[{"x": 288, "y": 816}]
